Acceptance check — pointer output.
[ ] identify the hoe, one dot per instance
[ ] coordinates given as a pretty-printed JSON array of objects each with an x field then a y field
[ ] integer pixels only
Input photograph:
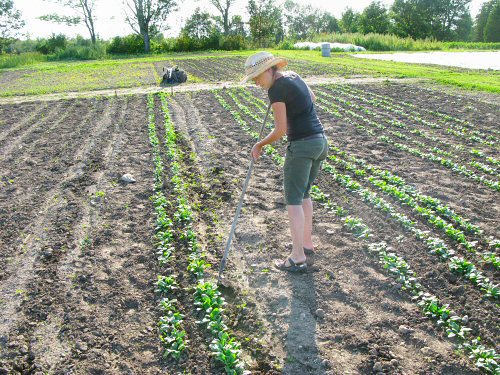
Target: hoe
[{"x": 235, "y": 220}]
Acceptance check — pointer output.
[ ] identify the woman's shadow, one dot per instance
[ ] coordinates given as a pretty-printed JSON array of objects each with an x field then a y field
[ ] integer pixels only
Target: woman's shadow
[{"x": 302, "y": 355}]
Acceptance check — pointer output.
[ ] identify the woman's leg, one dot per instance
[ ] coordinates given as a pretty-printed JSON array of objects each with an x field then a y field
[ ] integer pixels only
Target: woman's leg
[
  {"x": 296, "y": 219},
  {"x": 300, "y": 169},
  {"x": 307, "y": 205},
  {"x": 307, "y": 208}
]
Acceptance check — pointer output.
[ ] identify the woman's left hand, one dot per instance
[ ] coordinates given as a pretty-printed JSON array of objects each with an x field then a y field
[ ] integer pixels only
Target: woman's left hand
[{"x": 256, "y": 151}]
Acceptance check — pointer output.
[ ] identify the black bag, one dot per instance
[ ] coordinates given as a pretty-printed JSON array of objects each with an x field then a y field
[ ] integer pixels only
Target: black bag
[{"x": 174, "y": 75}]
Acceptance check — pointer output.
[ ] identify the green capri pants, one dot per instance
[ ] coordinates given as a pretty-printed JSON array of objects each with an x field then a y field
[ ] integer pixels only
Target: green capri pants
[{"x": 302, "y": 165}]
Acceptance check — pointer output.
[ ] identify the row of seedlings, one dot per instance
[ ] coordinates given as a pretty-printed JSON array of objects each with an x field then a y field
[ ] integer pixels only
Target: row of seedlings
[
  {"x": 268, "y": 149},
  {"x": 207, "y": 297},
  {"x": 443, "y": 117},
  {"x": 427, "y": 206},
  {"x": 435, "y": 245},
  {"x": 429, "y": 154},
  {"x": 385, "y": 104},
  {"x": 485, "y": 358},
  {"x": 326, "y": 106},
  {"x": 458, "y": 131},
  {"x": 442, "y": 314},
  {"x": 418, "y": 133},
  {"x": 172, "y": 335},
  {"x": 440, "y": 216},
  {"x": 492, "y": 170}
]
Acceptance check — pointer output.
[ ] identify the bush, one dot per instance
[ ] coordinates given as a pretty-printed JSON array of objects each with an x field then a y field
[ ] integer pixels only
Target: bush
[
  {"x": 130, "y": 44},
  {"x": 50, "y": 45},
  {"x": 232, "y": 42},
  {"x": 187, "y": 44},
  {"x": 390, "y": 42},
  {"x": 162, "y": 45},
  {"x": 287, "y": 45},
  {"x": 184, "y": 43},
  {"x": 21, "y": 59},
  {"x": 79, "y": 52}
]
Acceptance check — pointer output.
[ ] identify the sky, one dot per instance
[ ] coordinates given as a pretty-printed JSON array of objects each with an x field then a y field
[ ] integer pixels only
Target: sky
[{"x": 111, "y": 16}]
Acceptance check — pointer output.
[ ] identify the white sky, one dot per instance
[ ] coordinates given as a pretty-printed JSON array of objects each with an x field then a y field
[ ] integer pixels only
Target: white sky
[{"x": 111, "y": 19}]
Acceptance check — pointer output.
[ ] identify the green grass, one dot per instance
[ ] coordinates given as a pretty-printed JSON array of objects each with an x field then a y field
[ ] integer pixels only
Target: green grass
[
  {"x": 53, "y": 77},
  {"x": 23, "y": 59}
]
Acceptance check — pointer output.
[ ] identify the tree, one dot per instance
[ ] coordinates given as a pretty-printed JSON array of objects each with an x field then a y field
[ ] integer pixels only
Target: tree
[
  {"x": 10, "y": 22},
  {"x": 223, "y": 7},
  {"x": 199, "y": 26},
  {"x": 147, "y": 17},
  {"x": 304, "y": 21},
  {"x": 463, "y": 28},
  {"x": 446, "y": 16},
  {"x": 482, "y": 19},
  {"x": 328, "y": 23},
  {"x": 83, "y": 12},
  {"x": 265, "y": 22},
  {"x": 237, "y": 26},
  {"x": 349, "y": 21},
  {"x": 411, "y": 18},
  {"x": 439, "y": 19},
  {"x": 492, "y": 29},
  {"x": 374, "y": 19}
]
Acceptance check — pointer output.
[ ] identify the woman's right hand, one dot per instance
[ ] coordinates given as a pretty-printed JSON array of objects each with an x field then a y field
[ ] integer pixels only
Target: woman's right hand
[{"x": 256, "y": 151}]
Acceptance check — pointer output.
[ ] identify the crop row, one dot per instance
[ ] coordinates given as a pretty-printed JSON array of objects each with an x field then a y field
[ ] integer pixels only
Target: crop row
[
  {"x": 390, "y": 102},
  {"x": 399, "y": 125},
  {"x": 429, "y": 154},
  {"x": 458, "y": 131},
  {"x": 428, "y": 207},
  {"x": 410, "y": 129},
  {"x": 171, "y": 334},
  {"x": 436, "y": 246},
  {"x": 486, "y": 359},
  {"x": 268, "y": 149},
  {"x": 455, "y": 326},
  {"x": 394, "y": 185},
  {"x": 207, "y": 298},
  {"x": 328, "y": 108},
  {"x": 400, "y": 104}
]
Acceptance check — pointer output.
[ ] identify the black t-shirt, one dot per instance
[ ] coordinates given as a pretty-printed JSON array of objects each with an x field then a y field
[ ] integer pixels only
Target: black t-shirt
[{"x": 302, "y": 120}]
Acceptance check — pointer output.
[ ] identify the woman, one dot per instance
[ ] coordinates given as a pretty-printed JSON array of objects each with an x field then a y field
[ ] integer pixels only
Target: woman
[{"x": 292, "y": 102}]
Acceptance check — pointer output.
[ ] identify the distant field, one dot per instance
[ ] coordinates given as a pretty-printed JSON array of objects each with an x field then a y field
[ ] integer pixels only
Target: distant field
[{"x": 57, "y": 77}]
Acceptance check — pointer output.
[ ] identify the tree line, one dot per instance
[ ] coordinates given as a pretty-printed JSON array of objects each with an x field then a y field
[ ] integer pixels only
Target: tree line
[{"x": 269, "y": 24}]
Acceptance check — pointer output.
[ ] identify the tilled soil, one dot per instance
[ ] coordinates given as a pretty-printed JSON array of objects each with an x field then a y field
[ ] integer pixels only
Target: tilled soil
[
  {"x": 346, "y": 314},
  {"x": 78, "y": 263},
  {"x": 76, "y": 285}
]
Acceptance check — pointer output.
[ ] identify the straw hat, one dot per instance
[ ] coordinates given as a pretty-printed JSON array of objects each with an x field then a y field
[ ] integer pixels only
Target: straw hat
[{"x": 260, "y": 62}]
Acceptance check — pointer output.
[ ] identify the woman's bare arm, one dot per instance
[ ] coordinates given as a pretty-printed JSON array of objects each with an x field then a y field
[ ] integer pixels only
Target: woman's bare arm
[{"x": 279, "y": 112}]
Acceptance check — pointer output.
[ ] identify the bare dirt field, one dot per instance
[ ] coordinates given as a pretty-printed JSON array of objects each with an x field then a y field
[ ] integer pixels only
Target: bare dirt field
[{"x": 78, "y": 270}]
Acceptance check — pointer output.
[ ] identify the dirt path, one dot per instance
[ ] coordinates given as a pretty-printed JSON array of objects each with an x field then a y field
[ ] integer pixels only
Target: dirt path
[{"x": 179, "y": 89}]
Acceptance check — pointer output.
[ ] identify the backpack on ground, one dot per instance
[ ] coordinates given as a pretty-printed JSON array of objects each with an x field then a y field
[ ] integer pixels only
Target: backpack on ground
[{"x": 174, "y": 75}]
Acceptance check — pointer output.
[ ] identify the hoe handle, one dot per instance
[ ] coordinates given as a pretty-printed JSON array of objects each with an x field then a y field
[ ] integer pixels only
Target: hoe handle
[{"x": 238, "y": 209}]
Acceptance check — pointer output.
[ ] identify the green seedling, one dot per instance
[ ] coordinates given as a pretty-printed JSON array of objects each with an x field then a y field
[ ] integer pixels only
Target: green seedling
[{"x": 166, "y": 284}]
